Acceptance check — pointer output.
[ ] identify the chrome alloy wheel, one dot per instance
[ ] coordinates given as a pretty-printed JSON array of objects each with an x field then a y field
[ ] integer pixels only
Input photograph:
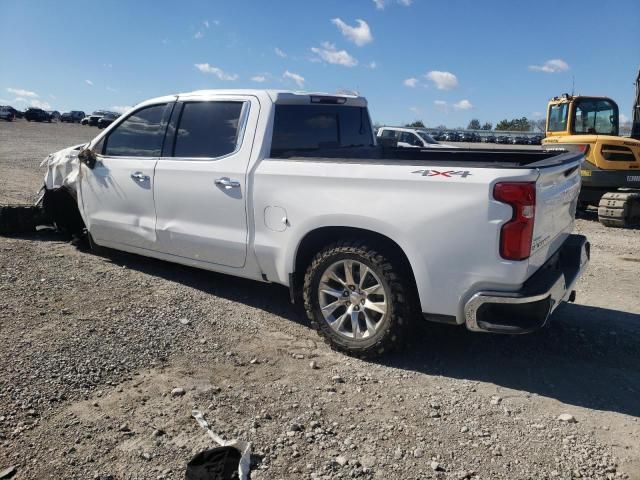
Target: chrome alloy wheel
[{"x": 352, "y": 299}]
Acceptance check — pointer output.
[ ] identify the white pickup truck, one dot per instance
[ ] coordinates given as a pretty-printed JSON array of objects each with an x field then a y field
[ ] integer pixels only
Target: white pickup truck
[{"x": 291, "y": 188}]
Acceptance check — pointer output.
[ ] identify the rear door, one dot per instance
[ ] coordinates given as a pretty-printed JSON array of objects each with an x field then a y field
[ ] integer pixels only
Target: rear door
[
  {"x": 201, "y": 191},
  {"x": 117, "y": 194}
]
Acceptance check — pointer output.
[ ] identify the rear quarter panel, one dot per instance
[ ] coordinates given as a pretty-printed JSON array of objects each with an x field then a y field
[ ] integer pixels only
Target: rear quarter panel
[{"x": 447, "y": 225}]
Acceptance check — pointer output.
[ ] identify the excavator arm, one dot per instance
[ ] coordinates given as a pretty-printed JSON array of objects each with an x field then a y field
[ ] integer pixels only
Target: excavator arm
[{"x": 635, "y": 127}]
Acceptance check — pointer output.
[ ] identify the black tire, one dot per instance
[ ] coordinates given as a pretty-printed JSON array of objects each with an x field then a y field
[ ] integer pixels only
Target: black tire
[{"x": 393, "y": 323}]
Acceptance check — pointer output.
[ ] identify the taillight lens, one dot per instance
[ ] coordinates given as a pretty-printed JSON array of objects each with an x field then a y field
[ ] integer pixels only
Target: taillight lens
[
  {"x": 583, "y": 148},
  {"x": 516, "y": 235}
]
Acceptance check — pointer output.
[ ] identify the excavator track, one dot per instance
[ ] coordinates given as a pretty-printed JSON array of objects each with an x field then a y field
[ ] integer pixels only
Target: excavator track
[{"x": 620, "y": 209}]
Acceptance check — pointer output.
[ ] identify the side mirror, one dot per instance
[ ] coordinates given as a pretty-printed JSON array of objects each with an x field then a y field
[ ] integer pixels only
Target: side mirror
[{"x": 88, "y": 157}]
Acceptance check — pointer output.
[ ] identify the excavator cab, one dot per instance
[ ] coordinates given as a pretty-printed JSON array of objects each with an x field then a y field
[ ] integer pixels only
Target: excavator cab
[{"x": 611, "y": 172}]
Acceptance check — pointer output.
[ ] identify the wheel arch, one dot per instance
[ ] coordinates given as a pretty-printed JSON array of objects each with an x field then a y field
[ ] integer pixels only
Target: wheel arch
[{"x": 314, "y": 240}]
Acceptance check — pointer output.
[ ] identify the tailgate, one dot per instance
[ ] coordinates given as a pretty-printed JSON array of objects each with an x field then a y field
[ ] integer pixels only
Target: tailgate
[{"x": 557, "y": 190}]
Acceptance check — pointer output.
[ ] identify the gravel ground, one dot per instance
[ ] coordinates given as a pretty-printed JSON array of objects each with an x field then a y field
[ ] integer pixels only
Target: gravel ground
[{"x": 93, "y": 346}]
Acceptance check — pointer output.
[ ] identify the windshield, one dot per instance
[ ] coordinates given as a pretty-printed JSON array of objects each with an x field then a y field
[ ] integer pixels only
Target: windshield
[
  {"x": 595, "y": 116},
  {"x": 426, "y": 137},
  {"x": 558, "y": 117}
]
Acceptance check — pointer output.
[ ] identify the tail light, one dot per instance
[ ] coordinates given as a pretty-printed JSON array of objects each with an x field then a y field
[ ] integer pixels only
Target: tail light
[
  {"x": 516, "y": 235},
  {"x": 583, "y": 148}
]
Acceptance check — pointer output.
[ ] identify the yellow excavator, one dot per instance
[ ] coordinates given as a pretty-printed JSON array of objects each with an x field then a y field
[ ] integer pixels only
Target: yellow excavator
[{"x": 611, "y": 173}]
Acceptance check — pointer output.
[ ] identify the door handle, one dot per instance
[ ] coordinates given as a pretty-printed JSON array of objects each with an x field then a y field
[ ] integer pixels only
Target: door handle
[
  {"x": 227, "y": 183},
  {"x": 140, "y": 177}
]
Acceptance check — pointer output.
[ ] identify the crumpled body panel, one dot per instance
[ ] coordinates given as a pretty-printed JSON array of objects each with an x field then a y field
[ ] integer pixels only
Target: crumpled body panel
[{"x": 63, "y": 168}]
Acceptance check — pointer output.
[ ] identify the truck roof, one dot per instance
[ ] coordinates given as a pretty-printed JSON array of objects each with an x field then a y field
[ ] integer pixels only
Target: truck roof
[{"x": 282, "y": 97}]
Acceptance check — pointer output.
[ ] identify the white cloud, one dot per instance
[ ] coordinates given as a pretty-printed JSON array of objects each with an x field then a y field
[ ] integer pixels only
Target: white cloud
[
  {"x": 360, "y": 35},
  {"x": 537, "y": 115},
  {"x": 206, "y": 23},
  {"x": 624, "y": 119},
  {"x": 107, "y": 65},
  {"x": 111, "y": 89},
  {"x": 52, "y": 96},
  {"x": 120, "y": 108},
  {"x": 218, "y": 72},
  {"x": 198, "y": 35},
  {"x": 442, "y": 80},
  {"x": 380, "y": 4},
  {"x": 298, "y": 79},
  {"x": 411, "y": 82},
  {"x": 416, "y": 110},
  {"x": 441, "y": 106},
  {"x": 329, "y": 54},
  {"x": 40, "y": 104},
  {"x": 20, "y": 99},
  {"x": 373, "y": 65},
  {"x": 22, "y": 93},
  {"x": 280, "y": 53},
  {"x": 463, "y": 105},
  {"x": 555, "y": 65},
  {"x": 89, "y": 82},
  {"x": 259, "y": 78},
  {"x": 347, "y": 91}
]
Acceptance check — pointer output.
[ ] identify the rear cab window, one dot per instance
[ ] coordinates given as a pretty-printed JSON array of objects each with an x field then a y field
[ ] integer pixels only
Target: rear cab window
[{"x": 305, "y": 128}]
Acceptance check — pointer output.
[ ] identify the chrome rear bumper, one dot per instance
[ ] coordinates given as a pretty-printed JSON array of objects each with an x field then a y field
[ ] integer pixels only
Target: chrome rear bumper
[{"x": 529, "y": 308}]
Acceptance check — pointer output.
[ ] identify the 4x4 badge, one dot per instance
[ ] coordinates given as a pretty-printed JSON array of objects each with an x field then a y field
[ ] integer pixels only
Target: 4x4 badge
[{"x": 448, "y": 173}]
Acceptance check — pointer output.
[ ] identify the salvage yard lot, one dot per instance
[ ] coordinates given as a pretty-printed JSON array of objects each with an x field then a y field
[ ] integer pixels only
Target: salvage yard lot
[{"x": 92, "y": 347}]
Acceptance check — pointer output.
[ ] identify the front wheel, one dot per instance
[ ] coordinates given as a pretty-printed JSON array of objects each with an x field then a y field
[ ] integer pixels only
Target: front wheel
[{"x": 356, "y": 299}]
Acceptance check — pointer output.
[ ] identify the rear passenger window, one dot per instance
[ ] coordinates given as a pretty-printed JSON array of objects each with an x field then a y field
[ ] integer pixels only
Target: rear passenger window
[
  {"x": 140, "y": 135},
  {"x": 208, "y": 129}
]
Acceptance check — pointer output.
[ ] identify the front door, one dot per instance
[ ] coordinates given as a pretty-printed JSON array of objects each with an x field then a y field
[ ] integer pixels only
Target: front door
[
  {"x": 201, "y": 190},
  {"x": 117, "y": 194}
]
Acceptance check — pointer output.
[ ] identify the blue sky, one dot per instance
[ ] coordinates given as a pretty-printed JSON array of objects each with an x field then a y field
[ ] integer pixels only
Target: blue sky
[{"x": 444, "y": 62}]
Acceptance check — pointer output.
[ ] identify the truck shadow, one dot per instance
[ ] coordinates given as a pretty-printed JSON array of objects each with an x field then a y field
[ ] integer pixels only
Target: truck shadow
[{"x": 587, "y": 356}]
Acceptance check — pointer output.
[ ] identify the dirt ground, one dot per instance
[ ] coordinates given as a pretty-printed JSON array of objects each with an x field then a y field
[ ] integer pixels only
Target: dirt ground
[{"x": 93, "y": 347}]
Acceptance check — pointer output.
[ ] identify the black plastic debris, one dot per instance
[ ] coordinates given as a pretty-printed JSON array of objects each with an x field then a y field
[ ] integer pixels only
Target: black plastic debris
[{"x": 219, "y": 463}]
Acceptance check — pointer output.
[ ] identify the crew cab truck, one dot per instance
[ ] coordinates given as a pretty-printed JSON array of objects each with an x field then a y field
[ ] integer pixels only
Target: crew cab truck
[{"x": 291, "y": 188}]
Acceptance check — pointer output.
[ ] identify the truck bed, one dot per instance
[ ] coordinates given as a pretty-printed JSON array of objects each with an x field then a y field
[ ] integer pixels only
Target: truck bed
[{"x": 482, "y": 158}]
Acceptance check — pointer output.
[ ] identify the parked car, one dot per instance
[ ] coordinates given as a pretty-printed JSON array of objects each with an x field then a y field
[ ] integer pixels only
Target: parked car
[
  {"x": 6, "y": 113},
  {"x": 451, "y": 137},
  {"x": 107, "y": 120},
  {"x": 535, "y": 140},
  {"x": 470, "y": 137},
  {"x": 37, "y": 115},
  {"x": 489, "y": 139},
  {"x": 74, "y": 116},
  {"x": 92, "y": 120},
  {"x": 410, "y": 137},
  {"x": 465, "y": 237},
  {"x": 436, "y": 135},
  {"x": 503, "y": 139},
  {"x": 54, "y": 114}
]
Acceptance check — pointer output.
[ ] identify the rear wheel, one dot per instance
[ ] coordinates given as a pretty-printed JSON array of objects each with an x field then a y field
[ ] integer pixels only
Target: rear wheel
[
  {"x": 620, "y": 209},
  {"x": 355, "y": 298}
]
